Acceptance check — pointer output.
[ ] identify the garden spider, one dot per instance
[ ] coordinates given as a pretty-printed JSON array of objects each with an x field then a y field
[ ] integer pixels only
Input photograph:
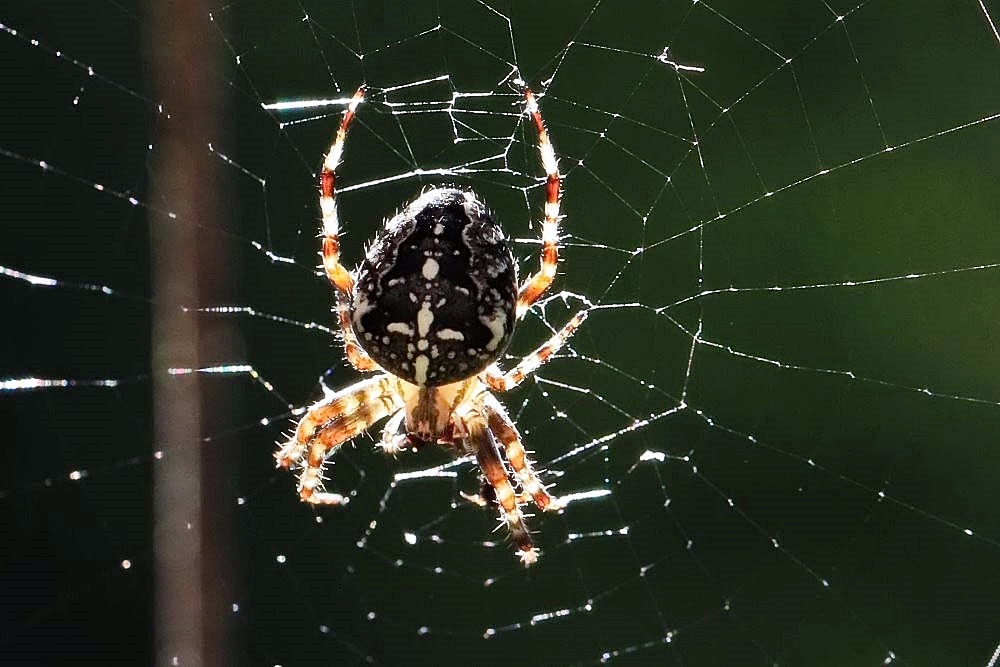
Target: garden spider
[{"x": 432, "y": 307}]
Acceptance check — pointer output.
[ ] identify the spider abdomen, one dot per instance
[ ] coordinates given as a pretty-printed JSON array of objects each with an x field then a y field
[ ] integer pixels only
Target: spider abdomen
[{"x": 435, "y": 297}]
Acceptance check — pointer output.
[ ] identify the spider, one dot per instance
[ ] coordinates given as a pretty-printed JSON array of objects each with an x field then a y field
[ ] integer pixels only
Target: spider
[{"x": 431, "y": 309}]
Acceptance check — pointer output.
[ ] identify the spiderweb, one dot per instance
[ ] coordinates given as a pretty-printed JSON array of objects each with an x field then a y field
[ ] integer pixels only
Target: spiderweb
[{"x": 777, "y": 426}]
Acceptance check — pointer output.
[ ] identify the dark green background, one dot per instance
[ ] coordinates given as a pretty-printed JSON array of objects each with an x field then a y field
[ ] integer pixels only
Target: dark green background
[{"x": 800, "y": 446}]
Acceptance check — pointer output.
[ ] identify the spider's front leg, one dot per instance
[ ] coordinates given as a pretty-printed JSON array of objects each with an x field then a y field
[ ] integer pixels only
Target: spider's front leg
[
  {"x": 332, "y": 422},
  {"x": 536, "y": 285},
  {"x": 497, "y": 380},
  {"x": 338, "y": 275}
]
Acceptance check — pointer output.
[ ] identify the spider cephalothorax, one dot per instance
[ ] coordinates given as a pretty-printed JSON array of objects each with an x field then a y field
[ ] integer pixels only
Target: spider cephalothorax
[
  {"x": 435, "y": 298},
  {"x": 431, "y": 309}
]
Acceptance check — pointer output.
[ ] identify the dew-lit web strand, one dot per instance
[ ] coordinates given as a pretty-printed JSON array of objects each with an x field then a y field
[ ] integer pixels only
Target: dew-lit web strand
[
  {"x": 399, "y": 109},
  {"x": 312, "y": 25},
  {"x": 725, "y": 602},
  {"x": 996, "y": 34},
  {"x": 34, "y": 384},
  {"x": 660, "y": 457},
  {"x": 839, "y": 18},
  {"x": 403, "y": 108},
  {"x": 823, "y": 172},
  {"x": 264, "y": 249},
  {"x": 31, "y": 383},
  {"x": 624, "y": 526},
  {"x": 910, "y": 275},
  {"x": 126, "y": 195},
  {"x": 15, "y": 384},
  {"x": 550, "y": 615},
  {"x": 783, "y": 63},
  {"x": 851, "y": 375},
  {"x": 122, "y": 194},
  {"x": 842, "y": 283},
  {"x": 80, "y": 476},
  {"x": 861, "y": 75},
  {"x": 876, "y": 494},
  {"x": 546, "y": 615},
  {"x": 697, "y": 339},
  {"x": 46, "y": 281},
  {"x": 237, "y": 58},
  {"x": 47, "y": 167},
  {"x": 260, "y": 315},
  {"x": 804, "y": 286},
  {"x": 450, "y": 108},
  {"x": 89, "y": 70},
  {"x": 601, "y": 136},
  {"x": 996, "y": 652},
  {"x": 426, "y": 532},
  {"x": 725, "y": 111}
]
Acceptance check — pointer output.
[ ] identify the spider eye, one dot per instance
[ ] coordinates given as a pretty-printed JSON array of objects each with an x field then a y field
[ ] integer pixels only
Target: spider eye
[{"x": 434, "y": 300}]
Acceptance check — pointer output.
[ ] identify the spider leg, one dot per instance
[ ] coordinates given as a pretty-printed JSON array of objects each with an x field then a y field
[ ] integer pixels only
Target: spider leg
[
  {"x": 335, "y": 271},
  {"x": 536, "y": 285},
  {"x": 505, "y": 431},
  {"x": 481, "y": 440},
  {"x": 332, "y": 422},
  {"x": 499, "y": 381}
]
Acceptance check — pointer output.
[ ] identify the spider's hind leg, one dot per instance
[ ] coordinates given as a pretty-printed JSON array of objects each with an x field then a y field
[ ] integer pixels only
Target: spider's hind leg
[
  {"x": 503, "y": 428},
  {"x": 330, "y": 423},
  {"x": 484, "y": 444}
]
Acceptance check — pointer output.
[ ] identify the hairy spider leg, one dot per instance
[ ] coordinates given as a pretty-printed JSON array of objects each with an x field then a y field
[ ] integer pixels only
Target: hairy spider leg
[
  {"x": 506, "y": 432},
  {"x": 536, "y": 285},
  {"x": 481, "y": 440},
  {"x": 332, "y": 422},
  {"x": 335, "y": 271},
  {"x": 497, "y": 380}
]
